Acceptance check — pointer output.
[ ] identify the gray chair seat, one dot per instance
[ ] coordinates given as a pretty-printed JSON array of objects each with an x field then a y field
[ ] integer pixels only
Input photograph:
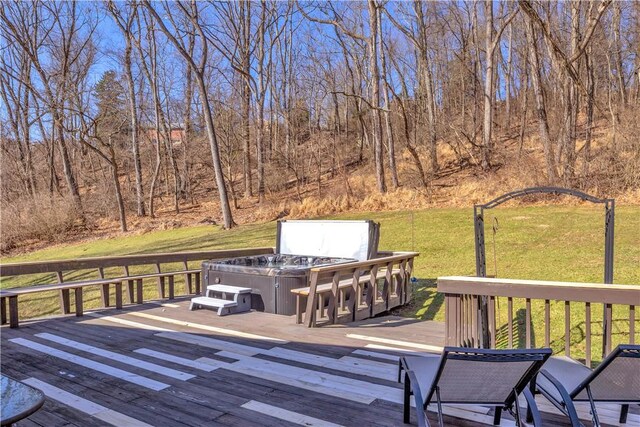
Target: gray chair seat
[
  {"x": 569, "y": 372},
  {"x": 616, "y": 380},
  {"x": 425, "y": 368},
  {"x": 469, "y": 376}
]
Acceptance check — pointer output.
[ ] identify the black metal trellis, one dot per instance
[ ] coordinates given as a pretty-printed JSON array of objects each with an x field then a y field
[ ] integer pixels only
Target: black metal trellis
[{"x": 481, "y": 267}]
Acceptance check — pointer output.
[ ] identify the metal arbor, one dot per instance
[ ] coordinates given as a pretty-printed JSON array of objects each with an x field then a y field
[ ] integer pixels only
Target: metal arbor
[{"x": 481, "y": 267}]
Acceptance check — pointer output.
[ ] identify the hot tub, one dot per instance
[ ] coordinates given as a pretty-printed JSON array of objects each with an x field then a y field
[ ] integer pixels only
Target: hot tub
[
  {"x": 271, "y": 277},
  {"x": 300, "y": 245}
]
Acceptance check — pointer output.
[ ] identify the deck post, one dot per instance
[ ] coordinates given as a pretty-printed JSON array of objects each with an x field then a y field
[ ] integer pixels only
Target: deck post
[
  {"x": 3, "y": 310},
  {"x": 452, "y": 319},
  {"x": 171, "y": 287},
  {"x": 104, "y": 293},
  {"x": 79, "y": 303},
  {"x": 118, "y": 295},
  {"x": 13, "y": 311},
  {"x": 64, "y": 301}
]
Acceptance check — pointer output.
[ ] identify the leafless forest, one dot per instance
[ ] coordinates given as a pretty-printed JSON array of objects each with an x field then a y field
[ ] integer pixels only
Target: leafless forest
[{"x": 110, "y": 108}]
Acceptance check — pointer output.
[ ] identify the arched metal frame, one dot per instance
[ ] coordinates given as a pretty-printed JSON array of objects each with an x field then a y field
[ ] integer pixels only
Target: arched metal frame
[{"x": 481, "y": 267}]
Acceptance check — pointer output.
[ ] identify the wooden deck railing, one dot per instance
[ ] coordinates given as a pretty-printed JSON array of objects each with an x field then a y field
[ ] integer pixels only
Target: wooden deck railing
[
  {"x": 462, "y": 299},
  {"x": 357, "y": 290},
  {"x": 104, "y": 272}
]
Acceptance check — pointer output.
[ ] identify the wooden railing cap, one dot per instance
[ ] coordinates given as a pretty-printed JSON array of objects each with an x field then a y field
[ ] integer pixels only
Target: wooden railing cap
[
  {"x": 540, "y": 289},
  {"x": 397, "y": 256},
  {"x": 34, "y": 267}
]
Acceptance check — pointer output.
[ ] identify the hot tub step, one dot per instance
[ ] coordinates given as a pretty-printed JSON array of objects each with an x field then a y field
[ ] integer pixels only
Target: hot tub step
[
  {"x": 241, "y": 296},
  {"x": 224, "y": 306},
  {"x": 226, "y": 289}
]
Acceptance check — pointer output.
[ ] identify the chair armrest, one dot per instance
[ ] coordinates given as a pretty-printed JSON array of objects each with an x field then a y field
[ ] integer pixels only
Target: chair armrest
[
  {"x": 402, "y": 366},
  {"x": 566, "y": 402},
  {"x": 421, "y": 405},
  {"x": 532, "y": 407}
]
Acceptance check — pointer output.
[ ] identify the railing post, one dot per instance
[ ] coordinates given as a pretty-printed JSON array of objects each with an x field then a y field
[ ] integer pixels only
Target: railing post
[
  {"x": 312, "y": 300},
  {"x": 452, "y": 306}
]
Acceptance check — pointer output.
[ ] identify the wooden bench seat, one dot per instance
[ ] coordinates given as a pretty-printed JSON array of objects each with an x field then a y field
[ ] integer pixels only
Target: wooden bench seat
[
  {"x": 321, "y": 290},
  {"x": 65, "y": 287},
  {"x": 343, "y": 284},
  {"x": 190, "y": 274}
]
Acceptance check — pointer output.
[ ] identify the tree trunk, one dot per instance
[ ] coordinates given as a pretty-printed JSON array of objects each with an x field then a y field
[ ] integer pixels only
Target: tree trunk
[
  {"x": 571, "y": 103},
  {"x": 622, "y": 90},
  {"x": 215, "y": 153},
  {"x": 591, "y": 88},
  {"x": 541, "y": 111},
  {"x": 391, "y": 150},
  {"x": 524, "y": 93},
  {"x": 26, "y": 128},
  {"x": 260, "y": 99},
  {"x": 508, "y": 73},
  {"x": 375, "y": 96},
  {"x": 188, "y": 135},
  {"x": 425, "y": 82},
  {"x": 245, "y": 25},
  {"x": 66, "y": 163},
  {"x": 489, "y": 91},
  {"x": 410, "y": 146},
  {"x": 135, "y": 145},
  {"x": 118, "y": 191}
]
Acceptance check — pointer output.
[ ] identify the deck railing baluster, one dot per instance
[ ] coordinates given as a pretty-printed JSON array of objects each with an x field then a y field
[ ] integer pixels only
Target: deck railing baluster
[
  {"x": 632, "y": 324},
  {"x": 567, "y": 328},
  {"x": 587, "y": 338},
  {"x": 527, "y": 320},
  {"x": 547, "y": 323},
  {"x": 510, "y": 321}
]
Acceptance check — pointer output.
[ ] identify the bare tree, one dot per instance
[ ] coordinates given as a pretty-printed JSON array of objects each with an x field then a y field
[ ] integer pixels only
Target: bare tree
[
  {"x": 24, "y": 25},
  {"x": 417, "y": 34},
  {"x": 125, "y": 24},
  {"x": 387, "y": 104},
  {"x": 492, "y": 40},
  {"x": 191, "y": 14},
  {"x": 566, "y": 61},
  {"x": 374, "y": 77},
  {"x": 16, "y": 96},
  {"x": 541, "y": 110}
]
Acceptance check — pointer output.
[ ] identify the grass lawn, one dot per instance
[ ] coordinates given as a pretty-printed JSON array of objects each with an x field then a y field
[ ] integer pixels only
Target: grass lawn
[{"x": 546, "y": 243}]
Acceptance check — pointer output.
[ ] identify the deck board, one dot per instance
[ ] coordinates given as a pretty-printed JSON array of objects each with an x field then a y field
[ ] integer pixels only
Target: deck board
[{"x": 302, "y": 373}]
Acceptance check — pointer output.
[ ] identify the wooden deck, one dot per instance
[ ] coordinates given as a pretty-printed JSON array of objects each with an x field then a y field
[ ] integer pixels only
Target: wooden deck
[{"x": 162, "y": 365}]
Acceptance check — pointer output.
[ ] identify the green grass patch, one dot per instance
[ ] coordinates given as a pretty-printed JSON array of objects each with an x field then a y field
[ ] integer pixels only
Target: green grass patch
[{"x": 544, "y": 243}]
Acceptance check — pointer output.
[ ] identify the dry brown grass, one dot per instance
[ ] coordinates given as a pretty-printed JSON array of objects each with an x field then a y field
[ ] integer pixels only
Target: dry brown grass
[
  {"x": 41, "y": 219},
  {"x": 612, "y": 173}
]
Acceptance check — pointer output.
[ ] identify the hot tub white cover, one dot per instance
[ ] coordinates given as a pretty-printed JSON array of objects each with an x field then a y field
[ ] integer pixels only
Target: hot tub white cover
[{"x": 344, "y": 239}]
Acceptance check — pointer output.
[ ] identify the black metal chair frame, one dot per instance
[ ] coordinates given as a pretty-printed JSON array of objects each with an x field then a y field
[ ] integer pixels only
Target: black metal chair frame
[
  {"x": 569, "y": 397},
  {"x": 536, "y": 356}
]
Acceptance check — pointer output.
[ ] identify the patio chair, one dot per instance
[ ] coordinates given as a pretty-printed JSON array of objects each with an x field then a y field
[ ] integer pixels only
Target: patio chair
[
  {"x": 470, "y": 376},
  {"x": 616, "y": 380}
]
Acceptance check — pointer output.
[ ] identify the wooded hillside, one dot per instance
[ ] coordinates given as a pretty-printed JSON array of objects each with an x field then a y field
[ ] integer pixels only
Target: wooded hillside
[{"x": 110, "y": 109}]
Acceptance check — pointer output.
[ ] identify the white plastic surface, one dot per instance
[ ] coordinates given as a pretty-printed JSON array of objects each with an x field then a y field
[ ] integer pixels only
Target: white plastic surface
[
  {"x": 213, "y": 302},
  {"x": 343, "y": 239},
  {"x": 229, "y": 289}
]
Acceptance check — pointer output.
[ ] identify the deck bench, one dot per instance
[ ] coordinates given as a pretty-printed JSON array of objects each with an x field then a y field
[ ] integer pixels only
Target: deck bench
[
  {"x": 191, "y": 276},
  {"x": 324, "y": 289},
  {"x": 133, "y": 282},
  {"x": 65, "y": 289},
  {"x": 12, "y": 298}
]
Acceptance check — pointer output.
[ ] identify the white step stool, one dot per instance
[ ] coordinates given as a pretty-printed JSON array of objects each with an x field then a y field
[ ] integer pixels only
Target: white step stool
[{"x": 218, "y": 296}]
